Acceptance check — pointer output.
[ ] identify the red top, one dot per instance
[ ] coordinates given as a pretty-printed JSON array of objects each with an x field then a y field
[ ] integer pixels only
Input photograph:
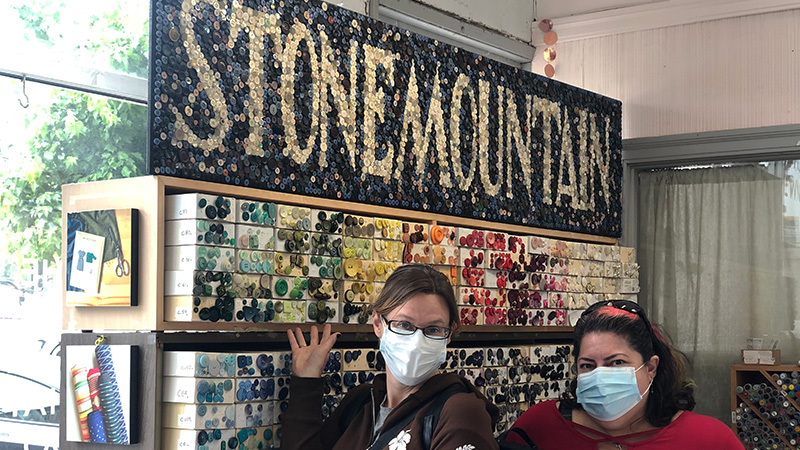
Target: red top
[{"x": 549, "y": 430}]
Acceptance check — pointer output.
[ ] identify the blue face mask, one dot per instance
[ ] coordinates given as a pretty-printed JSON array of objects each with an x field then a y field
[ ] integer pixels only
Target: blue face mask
[{"x": 608, "y": 393}]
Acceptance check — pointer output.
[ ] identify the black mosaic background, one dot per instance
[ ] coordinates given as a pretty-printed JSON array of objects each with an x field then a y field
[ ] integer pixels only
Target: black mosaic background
[{"x": 170, "y": 75}]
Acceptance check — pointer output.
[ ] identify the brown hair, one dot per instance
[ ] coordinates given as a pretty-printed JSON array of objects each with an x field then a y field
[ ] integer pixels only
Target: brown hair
[{"x": 412, "y": 279}]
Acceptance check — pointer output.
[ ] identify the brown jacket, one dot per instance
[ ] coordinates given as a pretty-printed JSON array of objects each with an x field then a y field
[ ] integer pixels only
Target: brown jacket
[{"x": 466, "y": 422}]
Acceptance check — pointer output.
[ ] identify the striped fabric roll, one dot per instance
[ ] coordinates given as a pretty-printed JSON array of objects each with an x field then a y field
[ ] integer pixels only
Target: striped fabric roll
[
  {"x": 96, "y": 429},
  {"x": 94, "y": 374},
  {"x": 111, "y": 408},
  {"x": 82, "y": 399},
  {"x": 110, "y": 402}
]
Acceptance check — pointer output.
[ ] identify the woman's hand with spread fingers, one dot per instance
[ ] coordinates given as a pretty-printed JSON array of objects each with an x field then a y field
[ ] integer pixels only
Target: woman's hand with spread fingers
[{"x": 308, "y": 360}]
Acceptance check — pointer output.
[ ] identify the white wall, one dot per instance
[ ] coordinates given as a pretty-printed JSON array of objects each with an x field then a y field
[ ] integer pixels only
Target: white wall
[{"x": 725, "y": 74}]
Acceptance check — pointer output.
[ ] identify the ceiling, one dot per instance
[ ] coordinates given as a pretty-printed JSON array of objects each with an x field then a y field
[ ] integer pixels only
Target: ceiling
[{"x": 583, "y": 19}]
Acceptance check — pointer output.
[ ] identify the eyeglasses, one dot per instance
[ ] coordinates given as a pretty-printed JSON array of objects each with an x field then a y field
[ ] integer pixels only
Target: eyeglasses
[
  {"x": 623, "y": 305},
  {"x": 406, "y": 328}
]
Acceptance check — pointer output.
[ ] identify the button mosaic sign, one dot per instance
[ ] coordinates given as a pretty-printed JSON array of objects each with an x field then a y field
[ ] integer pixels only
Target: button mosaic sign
[{"x": 304, "y": 97}]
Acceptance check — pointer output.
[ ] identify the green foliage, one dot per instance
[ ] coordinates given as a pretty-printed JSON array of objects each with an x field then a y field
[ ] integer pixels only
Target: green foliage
[
  {"x": 86, "y": 139},
  {"x": 81, "y": 137},
  {"x": 42, "y": 18}
]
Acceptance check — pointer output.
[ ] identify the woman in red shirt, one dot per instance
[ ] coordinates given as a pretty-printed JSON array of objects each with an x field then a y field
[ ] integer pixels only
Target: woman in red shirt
[{"x": 631, "y": 392}]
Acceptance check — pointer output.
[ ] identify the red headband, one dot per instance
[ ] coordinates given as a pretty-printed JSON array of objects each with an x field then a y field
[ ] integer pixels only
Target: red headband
[
  {"x": 616, "y": 312},
  {"x": 613, "y": 312}
]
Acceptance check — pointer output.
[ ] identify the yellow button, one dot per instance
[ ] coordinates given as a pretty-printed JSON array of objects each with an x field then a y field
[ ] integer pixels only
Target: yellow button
[{"x": 351, "y": 267}]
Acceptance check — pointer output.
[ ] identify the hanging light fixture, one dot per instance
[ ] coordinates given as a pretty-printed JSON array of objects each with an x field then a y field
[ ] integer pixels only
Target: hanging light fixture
[
  {"x": 549, "y": 54},
  {"x": 550, "y": 39}
]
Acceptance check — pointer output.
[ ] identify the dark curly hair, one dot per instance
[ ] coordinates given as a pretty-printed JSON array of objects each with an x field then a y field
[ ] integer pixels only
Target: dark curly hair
[{"x": 671, "y": 391}]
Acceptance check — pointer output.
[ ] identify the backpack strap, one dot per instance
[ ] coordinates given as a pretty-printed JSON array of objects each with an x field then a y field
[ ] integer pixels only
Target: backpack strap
[
  {"x": 355, "y": 407},
  {"x": 432, "y": 418}
]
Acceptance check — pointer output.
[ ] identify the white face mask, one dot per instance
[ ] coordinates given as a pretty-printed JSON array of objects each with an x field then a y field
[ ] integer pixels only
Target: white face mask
[{"x": 412, "y": 359}]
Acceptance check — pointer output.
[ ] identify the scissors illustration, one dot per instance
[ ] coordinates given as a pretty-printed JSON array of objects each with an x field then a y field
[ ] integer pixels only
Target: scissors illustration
[{"x": 123, "y": 266}]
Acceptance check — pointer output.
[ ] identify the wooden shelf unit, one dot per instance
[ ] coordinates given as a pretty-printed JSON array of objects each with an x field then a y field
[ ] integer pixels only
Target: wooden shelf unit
[
  {"x": 153, "y": 344},
  {"x": 147, "y": 195},
  {"x": 746, "y": 373}
]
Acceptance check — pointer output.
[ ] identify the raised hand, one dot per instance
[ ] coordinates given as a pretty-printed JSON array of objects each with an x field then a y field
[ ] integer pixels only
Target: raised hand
[{"x": 308, "y": 360}]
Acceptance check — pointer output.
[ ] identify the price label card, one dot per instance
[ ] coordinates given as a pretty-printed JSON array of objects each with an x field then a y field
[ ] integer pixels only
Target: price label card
[
  {"x": 186, "y": 420},
  {"x": 183, "y": 313}
]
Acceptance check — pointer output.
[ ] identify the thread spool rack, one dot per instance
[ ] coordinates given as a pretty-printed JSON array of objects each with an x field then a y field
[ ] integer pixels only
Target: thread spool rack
[{"x": 765, "y": 406}]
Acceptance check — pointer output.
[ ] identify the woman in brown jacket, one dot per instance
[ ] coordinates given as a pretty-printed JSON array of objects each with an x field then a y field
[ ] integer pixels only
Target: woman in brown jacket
[{"x": 413, "y": 317}]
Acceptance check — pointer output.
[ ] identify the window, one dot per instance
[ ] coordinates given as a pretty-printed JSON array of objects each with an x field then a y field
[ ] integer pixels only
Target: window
[
  {"x": 717, "y": 246},
  {"x": 79, "y": 115}
]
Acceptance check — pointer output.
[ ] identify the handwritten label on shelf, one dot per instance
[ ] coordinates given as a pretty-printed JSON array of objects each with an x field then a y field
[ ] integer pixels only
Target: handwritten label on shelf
[
  {"x": 183, "y": 313},
  {"x": 186, "y": 420},
  {"x": 183, "y": 394}
]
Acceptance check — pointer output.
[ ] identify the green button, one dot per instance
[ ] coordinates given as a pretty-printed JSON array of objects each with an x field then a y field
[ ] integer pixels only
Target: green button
[
  {"x": 312, "y": 311},
  {"x": 281, "y": 288}
]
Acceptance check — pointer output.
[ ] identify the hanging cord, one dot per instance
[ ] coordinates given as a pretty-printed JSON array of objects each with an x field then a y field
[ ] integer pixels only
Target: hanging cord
[{"x": 27, "y": 100}]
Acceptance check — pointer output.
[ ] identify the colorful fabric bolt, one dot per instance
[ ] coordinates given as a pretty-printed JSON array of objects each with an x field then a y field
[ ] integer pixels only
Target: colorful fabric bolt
[
  {"x": 93, "y": 376},
  {"x": 110, "y": 402},
  {"x": 82, "y": 399},
  {"x": 97, "y": 431}
]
